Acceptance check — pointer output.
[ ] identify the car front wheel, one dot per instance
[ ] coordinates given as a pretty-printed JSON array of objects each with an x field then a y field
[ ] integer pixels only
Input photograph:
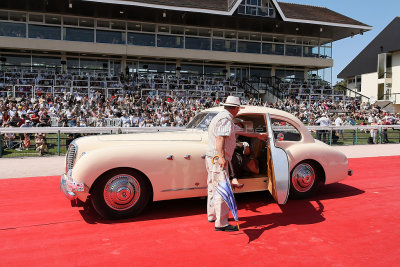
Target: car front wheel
[
  {"x": 120, "y": 193},
  {"x": 304, "y": 180}
]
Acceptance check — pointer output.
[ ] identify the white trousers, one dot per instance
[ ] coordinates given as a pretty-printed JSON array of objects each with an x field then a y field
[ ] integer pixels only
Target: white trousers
[{"x": 218, "y": 210}]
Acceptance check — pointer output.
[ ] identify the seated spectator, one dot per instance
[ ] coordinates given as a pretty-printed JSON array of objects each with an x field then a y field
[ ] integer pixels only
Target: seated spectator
[
  {"x": 44, "y": 119},
  {"x": 35, "y": 118},
  {"x": 125, "y": 120},
  {"x": 9, "y": 139},
  {"x": 41, "y": 146}
]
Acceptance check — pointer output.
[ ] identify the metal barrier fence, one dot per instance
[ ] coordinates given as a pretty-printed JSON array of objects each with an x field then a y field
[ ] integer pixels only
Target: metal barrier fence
[{"x": 24, "y": 142}]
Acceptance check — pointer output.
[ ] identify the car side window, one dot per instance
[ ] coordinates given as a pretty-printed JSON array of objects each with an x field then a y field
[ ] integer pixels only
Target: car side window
[{"x": 284, "y": 131}]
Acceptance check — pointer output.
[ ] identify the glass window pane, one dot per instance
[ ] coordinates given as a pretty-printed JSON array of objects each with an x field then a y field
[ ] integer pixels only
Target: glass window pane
[
  {"x": 267, "y": 38},
  {"x": 84, "y": 22},
  {"x": 224, "y": 45},
  {"x": 310, "y": 42},
  {"x": 46, "y": 61},
  {"x": 260, "y": 72},
  {"x": 80, "y": 35},
  {"x": 249, "y": 47},
  {"x": 213, "y": 70},
  {"x": 50, "y": 19},
  {"x": 18, "y": 59},
  {"x": 44, "y": 32},
  {"x": 230, "y": 35},
  {"x": 134, "y": 27},
  {"x": 293, "y": 50},
  {"x": 12, "y": 29},
  {"x": 310, "y": 51},
  {"x": 267, "y": 49},
  {"x": 243, "y": 35},
  {"x": 272, "y": 49},
  {"x": 3, "y": 15},
  {"x": 170, "y": 41},
  {"x": 197, "y": 43},
  {"x": 141, "y": 39},
  {"x": 35, "y": 18},
  {"x": 191, "y": 31},
  {"x": 326, "y": 52},
  {"x": 103, "y": 24},
  {"x": 163, "y": 28},
  {"x": 176, "y": 30},
  {"x": 218, "y": 33},
  {"x": 205, "y": 32},
  {"x": 278, "y": 39},
  {"x": 255, "y": 36},
  {"x": 191, "y": 69},
  {"x": 17, "y": 16},
  {"x": 149, "y": 27},
  {"x": 110, "y": 37},
  {"x": 285, "y": 131},
  {"x": 118, "y": 25},
  {"x": 71, "y": 21}
]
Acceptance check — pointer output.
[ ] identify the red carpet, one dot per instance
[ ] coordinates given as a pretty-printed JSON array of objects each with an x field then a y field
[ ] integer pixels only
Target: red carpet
[{"x": 353, "y": 223}]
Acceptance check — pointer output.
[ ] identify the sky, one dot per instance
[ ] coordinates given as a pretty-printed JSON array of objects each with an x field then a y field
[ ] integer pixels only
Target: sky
[{"x": 377, "y": 14}]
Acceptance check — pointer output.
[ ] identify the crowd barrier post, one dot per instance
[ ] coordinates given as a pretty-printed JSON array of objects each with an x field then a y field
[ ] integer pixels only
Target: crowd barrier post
[
  {"x": 330, "y": 137},
  {"x": 380, "y": 135},
  {"x": 356, "y": 136},
  {"x": 1, "y": 146},
  {"x": 58, "y": 143}
]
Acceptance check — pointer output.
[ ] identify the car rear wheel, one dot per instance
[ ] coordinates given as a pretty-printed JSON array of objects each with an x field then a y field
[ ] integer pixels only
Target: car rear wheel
[
  {"x": 121, "y": 193},
  {"x": 305, "y": 179}
]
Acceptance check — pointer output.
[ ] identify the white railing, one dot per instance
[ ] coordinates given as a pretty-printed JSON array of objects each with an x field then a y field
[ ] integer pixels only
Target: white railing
[{"x": 115, "y": 129}]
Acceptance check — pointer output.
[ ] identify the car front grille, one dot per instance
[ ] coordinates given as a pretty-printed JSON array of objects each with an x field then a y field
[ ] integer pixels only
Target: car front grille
[{"x": 71, "y": 156}]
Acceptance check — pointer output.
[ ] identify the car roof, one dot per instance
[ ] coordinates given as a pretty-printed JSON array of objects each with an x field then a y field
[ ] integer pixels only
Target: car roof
[
  {"x": 258, "y": 110},
  {"x": 244, "y": 109}
]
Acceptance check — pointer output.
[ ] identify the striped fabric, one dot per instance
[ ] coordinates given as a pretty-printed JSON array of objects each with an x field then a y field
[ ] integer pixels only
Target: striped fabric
[{"x": 222, "y": 125}]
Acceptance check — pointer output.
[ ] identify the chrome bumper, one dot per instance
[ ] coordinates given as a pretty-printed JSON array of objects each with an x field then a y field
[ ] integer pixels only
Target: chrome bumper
[
  {"x": 349, "y": 172},
  {"x": 70, "y": 187}
]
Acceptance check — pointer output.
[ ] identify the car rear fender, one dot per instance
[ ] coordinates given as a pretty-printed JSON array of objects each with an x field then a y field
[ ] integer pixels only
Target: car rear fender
[{"x": 333, "y": 162}]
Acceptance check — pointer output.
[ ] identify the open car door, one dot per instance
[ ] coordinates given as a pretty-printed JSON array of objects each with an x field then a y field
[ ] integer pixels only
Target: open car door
[{"x": 278, "y": 168}]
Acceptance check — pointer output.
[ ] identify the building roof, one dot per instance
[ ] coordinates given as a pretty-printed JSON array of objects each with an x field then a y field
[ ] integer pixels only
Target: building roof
[
  {"x": 220, "y": 5},
  {"x": 315, "y": 13},
  {"x": 367, "y": 61},
  {"x": 289, "y": 12}
]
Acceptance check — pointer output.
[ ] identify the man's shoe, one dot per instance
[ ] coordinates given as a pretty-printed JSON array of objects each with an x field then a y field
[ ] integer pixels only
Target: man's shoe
[
  {"x": 228, "y": 228},
  {"x": 235, "y": 183},
  {"x": 211, "y": 221}
]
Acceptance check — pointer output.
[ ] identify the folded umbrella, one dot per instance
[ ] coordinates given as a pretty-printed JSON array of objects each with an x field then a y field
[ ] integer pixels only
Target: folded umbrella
[{"x": 225, "y": 190}]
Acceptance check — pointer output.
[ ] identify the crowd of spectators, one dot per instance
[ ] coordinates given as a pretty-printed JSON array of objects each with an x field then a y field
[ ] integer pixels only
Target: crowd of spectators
[
  {"x": 129, "y": 107},
  {"x": 132, "y": 110}
]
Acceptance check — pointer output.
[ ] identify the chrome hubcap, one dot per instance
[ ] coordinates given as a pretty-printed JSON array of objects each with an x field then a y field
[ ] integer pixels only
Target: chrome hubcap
[
  {"x": 121, "y": 192},
  {"x": 303, "y": 177}
]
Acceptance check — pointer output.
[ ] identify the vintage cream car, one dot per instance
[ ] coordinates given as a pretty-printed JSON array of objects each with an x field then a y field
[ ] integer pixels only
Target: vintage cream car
[{"x": 122, "y": 174}]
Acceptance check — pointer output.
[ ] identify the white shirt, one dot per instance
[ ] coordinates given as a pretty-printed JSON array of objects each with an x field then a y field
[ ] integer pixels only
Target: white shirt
[
  {"x": 222, "y": 125},
  {"x": 323, "y": 121},
  {"x": 338, "y": 121}
]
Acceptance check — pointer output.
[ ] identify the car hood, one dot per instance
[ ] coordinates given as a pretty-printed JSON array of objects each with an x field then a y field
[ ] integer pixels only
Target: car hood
[
  {"x": 181, "y": 135},
  {"x": 88, "y": 143}
]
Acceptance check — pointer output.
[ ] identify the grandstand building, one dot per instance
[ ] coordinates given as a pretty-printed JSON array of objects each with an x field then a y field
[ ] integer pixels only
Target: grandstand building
[
  {"x": 375, "y": 72},
  {"x": 231, "y": 38}
]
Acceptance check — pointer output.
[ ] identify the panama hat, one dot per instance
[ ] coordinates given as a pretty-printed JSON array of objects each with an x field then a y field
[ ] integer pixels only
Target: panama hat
[{"x": 232, "y": 101}]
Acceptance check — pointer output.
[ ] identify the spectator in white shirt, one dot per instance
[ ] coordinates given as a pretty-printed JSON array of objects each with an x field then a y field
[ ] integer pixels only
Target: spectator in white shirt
[
  {"x": 323, "y": 121},
  {"x": 339, "y": 122}
]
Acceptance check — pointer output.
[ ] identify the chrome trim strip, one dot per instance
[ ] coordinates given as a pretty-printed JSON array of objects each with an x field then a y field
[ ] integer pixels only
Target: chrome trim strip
[{"x": 184, "y": 189}]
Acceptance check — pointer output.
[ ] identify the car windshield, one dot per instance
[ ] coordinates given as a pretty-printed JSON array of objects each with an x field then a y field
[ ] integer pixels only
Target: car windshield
[{"x": 201, "y": 121}]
